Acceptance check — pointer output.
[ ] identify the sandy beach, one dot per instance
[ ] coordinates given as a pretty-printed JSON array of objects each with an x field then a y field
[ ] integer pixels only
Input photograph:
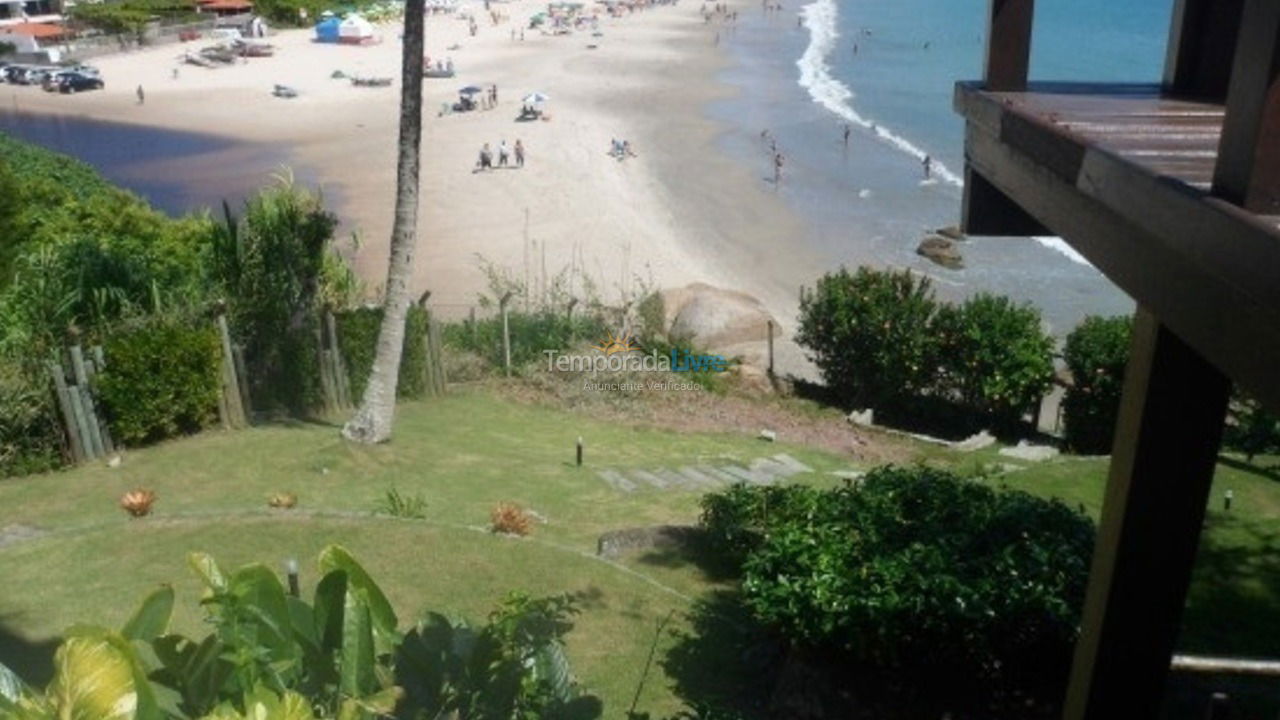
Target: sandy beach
[{"x": 680, "y": 211}]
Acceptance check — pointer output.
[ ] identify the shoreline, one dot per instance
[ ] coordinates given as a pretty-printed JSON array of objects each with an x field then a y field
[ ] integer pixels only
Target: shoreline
[{"x": 682, "y": 211}]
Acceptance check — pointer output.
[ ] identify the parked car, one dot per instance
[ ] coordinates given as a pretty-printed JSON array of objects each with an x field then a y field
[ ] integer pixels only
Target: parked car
[
  {"x": 75, "y": 82},
  {"x": 15, "y": 74}
]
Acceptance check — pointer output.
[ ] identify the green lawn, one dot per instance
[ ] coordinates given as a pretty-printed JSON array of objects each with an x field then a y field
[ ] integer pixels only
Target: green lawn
[{"x": 464, "y": 454}]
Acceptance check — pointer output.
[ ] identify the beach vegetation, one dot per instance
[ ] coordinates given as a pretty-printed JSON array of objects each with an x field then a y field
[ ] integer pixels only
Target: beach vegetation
[
  {"x": 1251, "y": 430},
  {"x": 269, "y": 264},
  {"x": 871, "y": 335},
  {"x": 273, "y": 654},
  {"x": 996, "y": 358},
  {"x": 939, "y": 594},
  {"x": 357, "y": 331},
  {"x": 1095, "y": 353},
  {"x": 129, "y": 17},
  {"x": 162, "y": 381}
]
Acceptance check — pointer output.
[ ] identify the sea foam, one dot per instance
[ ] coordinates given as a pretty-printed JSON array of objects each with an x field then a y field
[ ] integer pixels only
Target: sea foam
[
  {"x": 815, "y": 77},
  {"x": 820, "y": 18}
]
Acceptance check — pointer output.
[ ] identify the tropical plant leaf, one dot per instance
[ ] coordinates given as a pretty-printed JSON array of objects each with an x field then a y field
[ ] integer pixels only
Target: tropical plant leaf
[
  {"x": 93, "y": 679},
  {"x": 11, "y": 686},
  {"x": 330, "y": 596},
  {"x": 356, "y": 657},
  {"x": 207, "y": 569},
  {"x": 335, "y": 557},
  {"x": 152, "y": 618}
]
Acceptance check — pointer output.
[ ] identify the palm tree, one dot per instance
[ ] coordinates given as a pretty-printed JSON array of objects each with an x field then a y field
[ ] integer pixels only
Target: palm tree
[{"x": 372, "y": 422}]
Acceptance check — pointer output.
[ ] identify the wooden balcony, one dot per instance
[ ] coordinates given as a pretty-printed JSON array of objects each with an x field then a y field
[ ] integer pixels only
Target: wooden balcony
[
  {"x": 1125, "y": 174},
  {"x": 1173, "y": 192}
]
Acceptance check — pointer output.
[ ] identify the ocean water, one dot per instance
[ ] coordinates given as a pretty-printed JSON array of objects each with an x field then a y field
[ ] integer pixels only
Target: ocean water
[
  {"x": 177, "y": 172},
  {"x": 887, "y": 69}
]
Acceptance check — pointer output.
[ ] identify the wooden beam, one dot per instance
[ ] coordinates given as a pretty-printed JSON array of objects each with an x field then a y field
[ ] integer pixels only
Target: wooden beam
[
  {"x": 1205, "y": 266},
  {"x": 987, "y": 211},
  {"x": 1166, "y": 447},
  {"x": 1202, "y": 41},
  {"x": 1248, "y": 168},
  {"x": 1009, "y": 44}
]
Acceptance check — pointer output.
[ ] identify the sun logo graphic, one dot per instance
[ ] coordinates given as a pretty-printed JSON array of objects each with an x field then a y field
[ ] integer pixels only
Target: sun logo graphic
[{"x": 617, "y": 344}]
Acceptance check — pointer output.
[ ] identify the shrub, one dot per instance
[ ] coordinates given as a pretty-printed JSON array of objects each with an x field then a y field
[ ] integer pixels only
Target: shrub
[
  {"x": 339, "y": 653},
  {"x": 870, "y": 334},
  {"x": 30, "y": 438},
  {"x": 138, "y": 503},
  {"x": 944, "y": 588},
  {"x": 1096, "y": 353},
  {"x": 997, "y": 359},
  {"x": 270, "y": 265},
  {"x": 531, "y": 334},
  {"x": 1251, "y": 429},
  {"x": 161, "y": 380},
  {"x": 403, "y": 506},
  {"x": 510, "y": 519},
  {"x": 358, "y": 340},
  {"x": 737, "y": 520}
]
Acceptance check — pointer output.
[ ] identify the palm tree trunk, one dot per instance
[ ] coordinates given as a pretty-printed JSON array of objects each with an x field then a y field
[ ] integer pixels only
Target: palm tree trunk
[{"x": 372, "y": 422}]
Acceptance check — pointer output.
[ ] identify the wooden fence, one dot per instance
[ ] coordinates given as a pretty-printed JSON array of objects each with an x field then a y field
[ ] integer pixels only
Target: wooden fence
[{"x": 89, "y": 435}]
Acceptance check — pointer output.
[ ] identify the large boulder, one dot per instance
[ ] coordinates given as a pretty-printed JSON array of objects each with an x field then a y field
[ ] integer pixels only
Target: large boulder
[
  {"x": 711, "y": 318},
  {"x": 942, "y": 251}
]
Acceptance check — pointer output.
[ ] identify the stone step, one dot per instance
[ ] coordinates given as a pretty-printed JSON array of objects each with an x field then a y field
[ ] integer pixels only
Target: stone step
[{"x": 616, "y": 480}]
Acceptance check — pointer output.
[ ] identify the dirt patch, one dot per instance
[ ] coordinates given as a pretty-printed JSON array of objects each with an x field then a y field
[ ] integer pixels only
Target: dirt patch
[{"x": 694, "y": 409}]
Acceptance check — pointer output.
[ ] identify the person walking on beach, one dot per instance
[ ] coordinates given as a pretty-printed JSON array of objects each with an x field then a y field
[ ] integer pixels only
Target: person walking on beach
[
  {"x": 928, "y": 166},
  {"x": 519, "y": 153},
  {"x": 486, "y": 157},
  {"x": 502, "y": 154},
  {"x": 777, "y": 169},
  {"x": 142, "y": 97},
  {"x": 493, "y": 95}
]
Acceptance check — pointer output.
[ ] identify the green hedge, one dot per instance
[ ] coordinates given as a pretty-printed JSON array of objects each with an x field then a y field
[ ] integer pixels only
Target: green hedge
[
  {"x": 996, "y": 357},
  {"x": 940, "y": 592},
  {"x": 358, "y": 341},
  {"x": 30, "y": 439},
  {"x": 881, "y": 340},
  {"x": 161, "y": 380},
  {"x": 870, "y": 334},
  {"x": 1096, "y": 353}
]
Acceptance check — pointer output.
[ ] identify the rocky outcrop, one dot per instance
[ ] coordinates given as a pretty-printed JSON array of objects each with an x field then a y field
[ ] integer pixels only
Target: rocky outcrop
[
  {"x": 950, "y": 232},
  {"x": 942, "y": 251},
  {"x": 710, "y": 318}
]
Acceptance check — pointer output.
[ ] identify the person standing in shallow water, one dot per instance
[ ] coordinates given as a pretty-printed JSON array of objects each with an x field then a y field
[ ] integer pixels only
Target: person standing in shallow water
[
  {"x": 142, "y": 97},
  {"x": 927, "y": 163}
]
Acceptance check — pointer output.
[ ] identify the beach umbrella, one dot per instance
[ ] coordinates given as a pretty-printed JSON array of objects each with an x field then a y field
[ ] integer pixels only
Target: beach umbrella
[
  {"x": 470, "y": 90},
  {"x": 535, "y": 97}
]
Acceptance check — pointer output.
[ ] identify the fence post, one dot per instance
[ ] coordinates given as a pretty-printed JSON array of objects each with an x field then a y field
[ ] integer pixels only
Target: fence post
[
  {"x": 342, "y": 381},
  {"x": 68, "y": 413},
  {"x": 95, "y": 443},
  {"x": 437, "y": 354},
  {"x": 770, "y": 324},
  {"x": 506, "y": 334},
  {"x": 242, "y": 375},
  {"x": 328, "y": 381},
  {"x": 92, "y": 367},
  {"x": 230, "y": 382}
]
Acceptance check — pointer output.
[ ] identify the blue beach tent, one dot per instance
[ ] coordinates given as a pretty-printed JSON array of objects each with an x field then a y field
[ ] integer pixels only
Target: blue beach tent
[{"x": 327, "y": 29}]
